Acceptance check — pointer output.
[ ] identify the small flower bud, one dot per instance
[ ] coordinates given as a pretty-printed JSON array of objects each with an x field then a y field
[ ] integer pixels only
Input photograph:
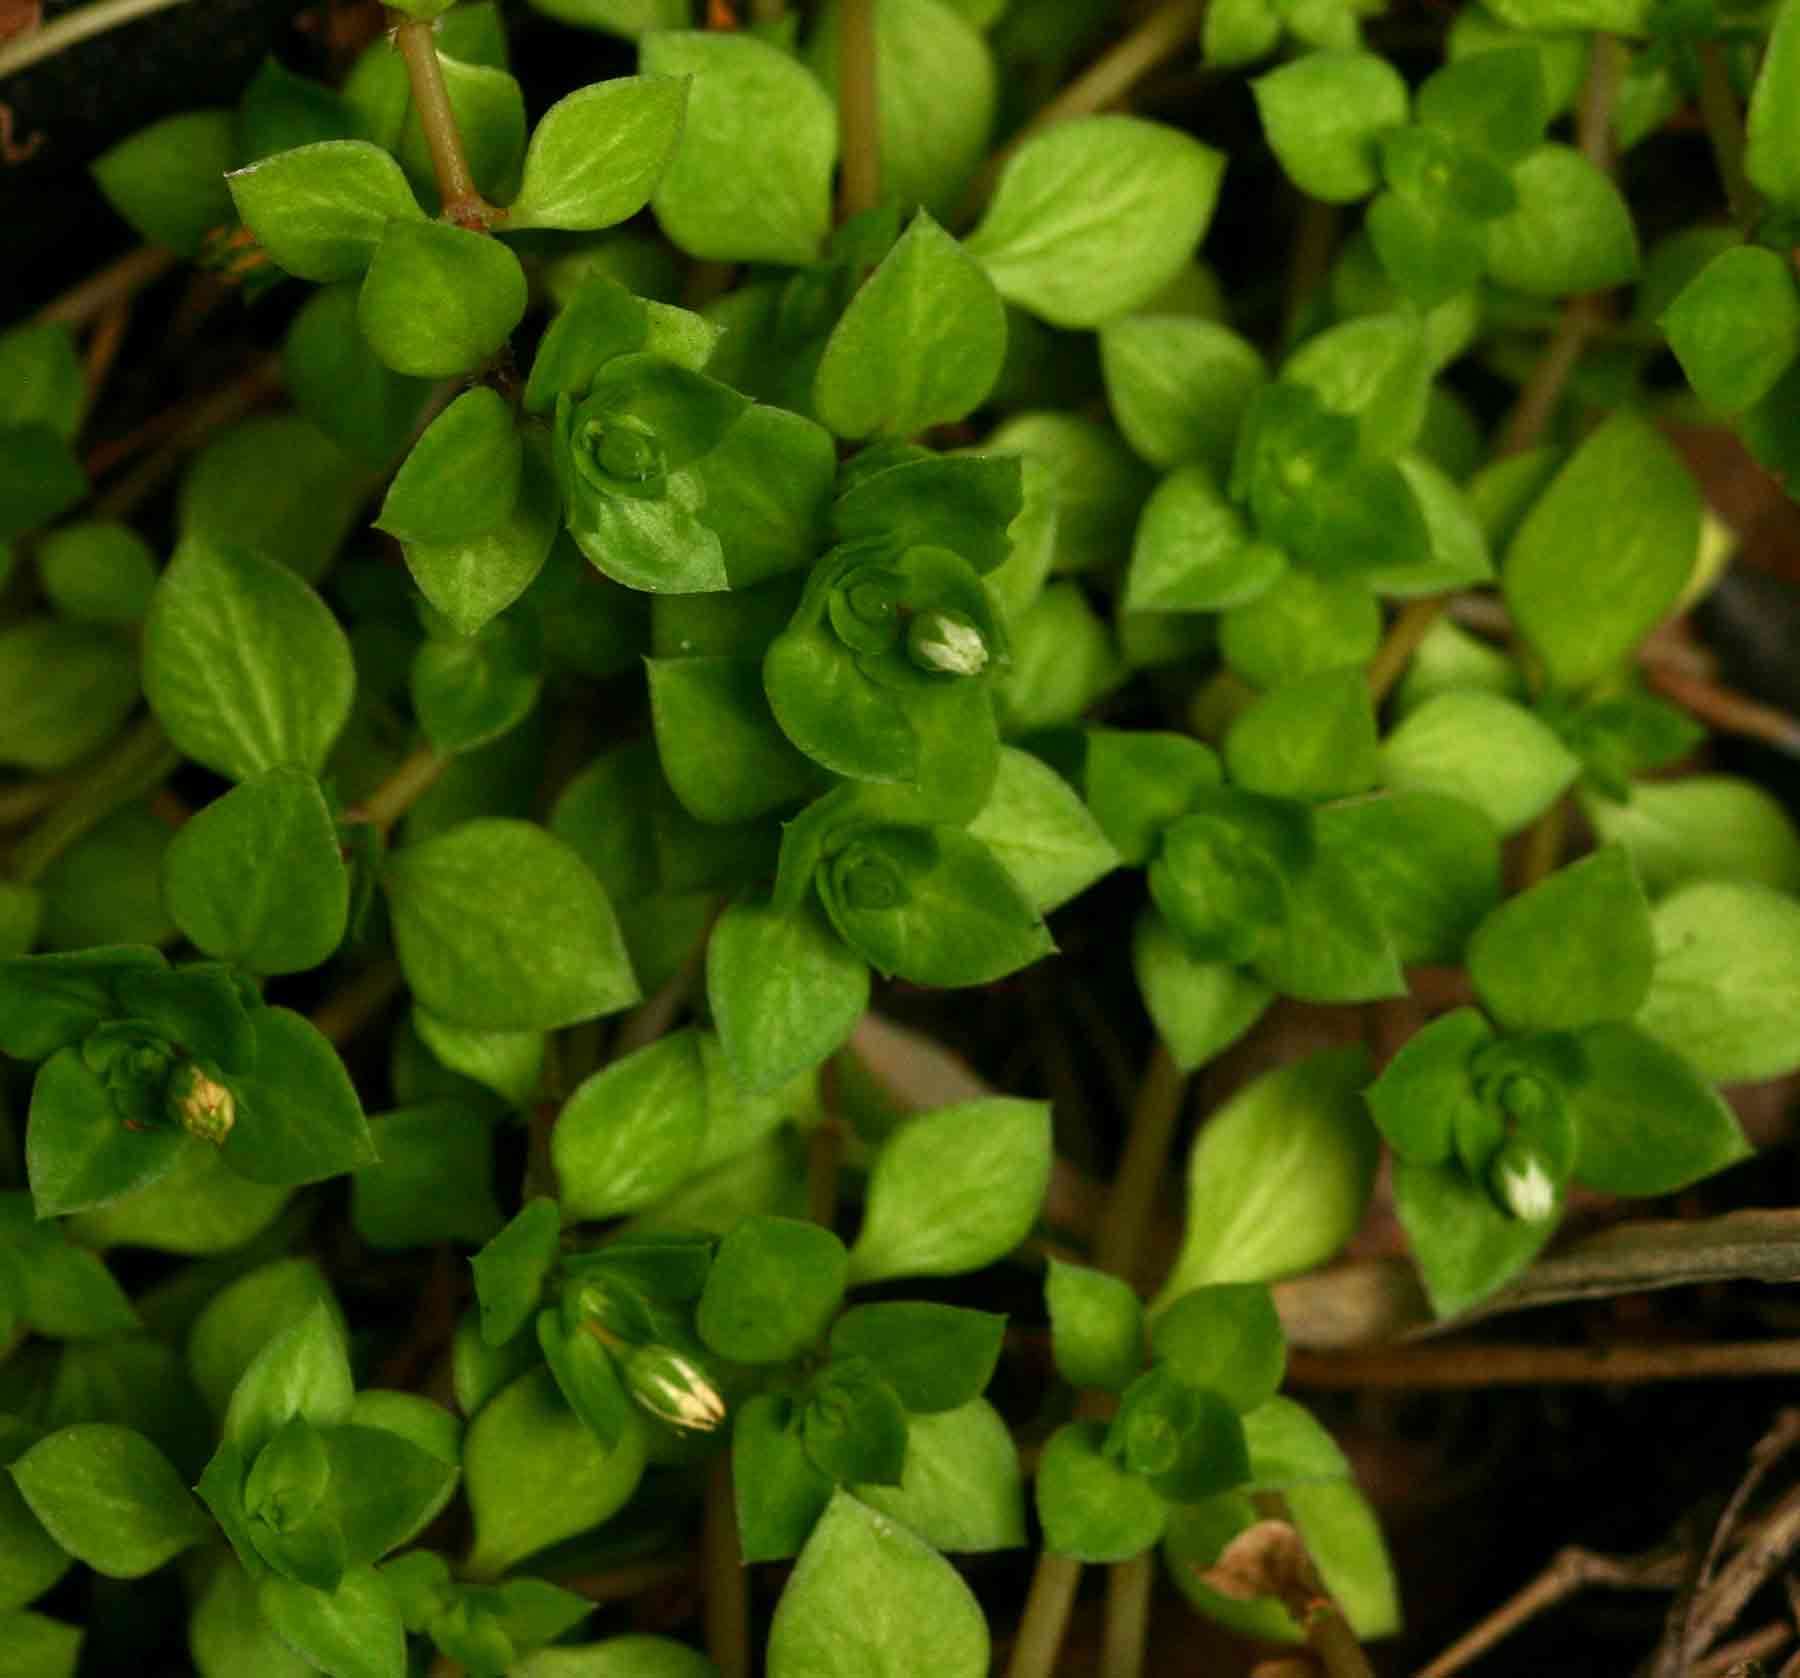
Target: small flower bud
[
  {"x": 946, "y": 642},
  {"x": 674, "y": 1389},
  {"x": 202, "y": 1106},
  {"x": 1521, "y": 1183}
]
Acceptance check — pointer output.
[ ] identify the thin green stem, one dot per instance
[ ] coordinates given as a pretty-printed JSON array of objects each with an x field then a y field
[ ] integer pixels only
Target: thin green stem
[
  {"x": 76, "y": 27},
  {"x": 859, "y": 109},
  {"x": 461, "y": 199},
  {"x": 1724, "y": 124},
  {"x": 1046, "y": 1617},
  {"x": 1129, "y": 1587},
  {"x": 341, "y": 1016},
  {"x": 1127, "y": 1219},
  {"x": 1403, "y": 638},
  {"x": 136, "y": 766}
]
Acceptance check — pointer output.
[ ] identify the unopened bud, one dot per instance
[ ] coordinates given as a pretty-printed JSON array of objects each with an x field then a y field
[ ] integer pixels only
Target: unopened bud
[
  {"x": 674, "y": 1389},
  {"x": 1521, "y": 1183},
  {"x": 948, "y": 643},
  {"x": 202, "y": 1106}
]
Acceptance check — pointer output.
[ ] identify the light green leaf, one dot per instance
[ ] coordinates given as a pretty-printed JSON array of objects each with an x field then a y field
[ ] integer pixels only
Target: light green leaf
[
  {"x": 960, "y": 1490},
  {"x": 1322, "y": 113},
  {"x": 596, "y": 156},
  {"x": 1042, "y": 832},
  {"x": 321, "y": 210},
  {"x": 1703, "y": 827},
  {"x": 1484, "y": 750},
  {"x": 1092, "y": 217},
  {"x": 1572, "y": 231}
]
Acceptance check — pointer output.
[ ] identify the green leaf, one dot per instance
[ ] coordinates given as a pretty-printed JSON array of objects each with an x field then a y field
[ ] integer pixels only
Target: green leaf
[
  {"x": 773, "y": 1287},
  {"x": 954, "y": 1190},
  {"x": 779, "y": 1494},
  {"x": 726, "y": 758},
  {"x": 960, "y": 1490},
  {"x": 41, "y": 381},
  {"x": 200, "y": 1207},
  {"x": 1572, "y": 231},
  {"x": 935, "y": 95},
  {"x": 321, "y": 211},
  {"x": 869, "y": 1599},
  {"x": 1485, "y": 751},
  {"x": 1194, "y": 551},
  {"x": 227, "y": 1633},
  {"x": 472, "y": 578},
  {"x": 439, "y": 300},
  {"x": 489, "y": 108},
  {"x": 784, "y": 991},
  {"x": 500, "y": 927},
  {"x": 1098, "y": 485},
  {"x": 1497, "y": 105},
  {"x": 932, "y": 905},
  {"x": 1289, "y": 1448},
  {"x": 1096, "y": 1327},
  {"x": 470, "y": 691},
  {"x": 920, "y": 345},
  {"x": 64, "y": 690},
  {"x": 338, "y": 383},
  {"x": 78, "y": 1151},
  {"x": 31, "y": 1561},
  {"x": 302, "y": 1370},
  {"x": 935, "y": 1357},
  {"x": 602, "y": 319},
  {"x": 1279, "y": 1176},
  {"x": 1605, "y": 553},
  {"x": 1093, "y": 1508},
  {"x": 510, "y": 1063},
  {"x": 1463, "y": 1243},
  {"x": 280, "y": 110},
  {"x": 1138, "y": 781},
  {"x": 1178, "y": 387},
  {"x": 751, "y": 179},
  {"x": 1735, "y": 328},
  {"x": 278, "y": 486},
  {"x": 1575, "y": 949},
  {"x": 631, "y": 1133},
  {"x": 97, "y": 573},
  {"x": 1301, "y": 625},
  {"x": 1771, "y": 152},
  {"x": 767, "y": 487},
  {"x": 535, "y": 1474},
  {"x": 351, "y": 1632},
  {"x": 110, "y": 1498},
  {"x": 596, "y": 156},
  {"x": 1200, "y": 1008},
  {"x": 168, "y": 180},
  {"x": 1186, "y": 1442},
  {"x": 1040, "y": 830},
  {"x": 1310, "y": 739},
  {"x": 241, "y": 1319},
  {"x": 1646, "y": 1119},
  {"x": 298, "y": 1116},
  {"x": 510, "y": 1271},
  {"x": 1322, "y": 114},
  {"x": 462, "y": 477},
  {"x": 433, "y": 1181},
  {"x": 1427, "y": 865},
  {"x": 244, "y": 665},
  {"x": 1725, "y": 991},
  {"x": 256, "y": 877},
  {"x": 40, "y": 478},
  {"x": 1226, "y": 1339},
  {"x": 1375, "y": 370},
  {"x": 1092, "y": 217}
]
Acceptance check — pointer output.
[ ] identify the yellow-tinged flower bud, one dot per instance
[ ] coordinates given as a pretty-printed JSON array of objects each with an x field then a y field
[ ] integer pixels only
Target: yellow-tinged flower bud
[
  {"x": 674, "y": 1389},
  {"x": 201, "y": 1105}
]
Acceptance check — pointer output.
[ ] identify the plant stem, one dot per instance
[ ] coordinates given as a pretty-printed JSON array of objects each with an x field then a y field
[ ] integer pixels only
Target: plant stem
[
  {"x": 859, "y": 109},
  {"x": 1491, "y": 1364},
  {"x": 73, "y": 28},
  {"x": 1046, "y": 1617},
  {"x": 727, "y": 1585},
  {"x": 124, "y": 278},
  {"x": 1722, "y": 709},
  {"x": 768, "y": 11},
  {"x": 1126, "y": 1219},
  {"x": 1165, "y": 32},
  {"x": 462, "y": 201},
  {"x": 1403, "y": 638},
  {"x": 1724, "y": 124},
  {"x": 1129, "y": 1585},
  {"x": 405, "y": 786},
  {"x": 139, "y": 763},
  {"x": 19, "y": 804},
  {"x": 1544, "y": 844},
  {"x": 1538, "y": 398},
  {"x": 653, "y": 1016},
  {"x": 340, "y": 1017},
  {"x": 103, "y": 348}
]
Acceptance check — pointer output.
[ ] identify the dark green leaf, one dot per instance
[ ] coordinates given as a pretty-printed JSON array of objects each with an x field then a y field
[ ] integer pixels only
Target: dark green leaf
[
  {"x": 1226, "y": 1339},
  {"x": 298, "y": 1116},
  {"x": 1464, "y": 1244},
  {"x": 79, "y": 1152},
  {"x": 500, "y": 927},
  {"x": 352, "y": 1632},
  {"x": 510, "y": 1271},
  {"x": 256, "y": 877},
  {"x": 168, "y": 180},
  {"x": 64, "y": 690},
  {"x": 337, "y": 381},
  {"x": 97, "y": 573},
  {"x": 773, "y": 1287},
  {"x": 1575, "y": 949},
  {"x": 433, "y": 1181},
  {"x": 853, "y": 1427},
  {"x": 779, "y": 1494},
  {"x": 935, "y": 1357},
  {"x": 1425, "y": 1095}
]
